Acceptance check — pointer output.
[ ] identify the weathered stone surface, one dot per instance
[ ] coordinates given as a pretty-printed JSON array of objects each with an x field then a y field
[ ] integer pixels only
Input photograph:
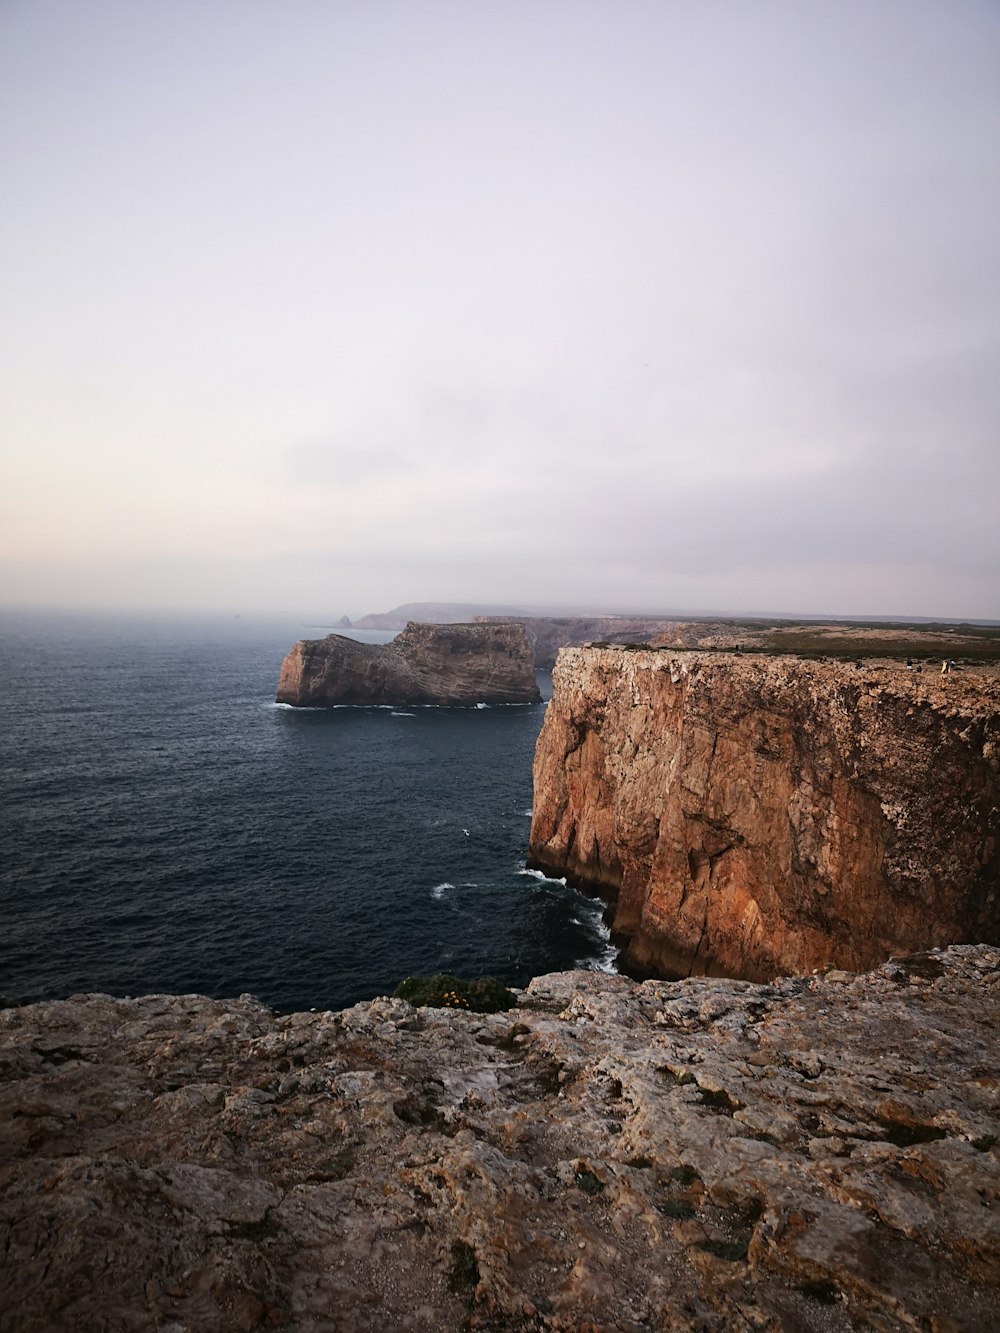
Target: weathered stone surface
[
  {"x": 459, "y": 665},
  {"x": 755, "y": 815},
  {"x": 814, "y": 1154}
]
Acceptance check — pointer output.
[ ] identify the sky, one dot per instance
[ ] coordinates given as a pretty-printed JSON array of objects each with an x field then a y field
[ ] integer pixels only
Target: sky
[{"x": 321, "y": 306}]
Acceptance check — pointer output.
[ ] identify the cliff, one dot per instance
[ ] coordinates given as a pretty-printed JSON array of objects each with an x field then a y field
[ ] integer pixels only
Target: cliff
[
  {"x": 459, "y": 665},
  {"x": 548, "y": 634},
  {"x": 436, "y": 613},
  {"x": 756, "y": 815},
  {"x": 820, "y": 1154}
]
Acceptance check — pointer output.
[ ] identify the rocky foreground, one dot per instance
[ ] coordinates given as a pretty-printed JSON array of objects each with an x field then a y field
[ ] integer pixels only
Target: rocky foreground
[{"x": 820, "y": 1153}]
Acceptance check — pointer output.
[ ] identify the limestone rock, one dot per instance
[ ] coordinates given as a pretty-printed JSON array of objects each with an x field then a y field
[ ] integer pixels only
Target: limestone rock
[
  {"x": 459, "y": 665},
  {"x": 752, "y": 815},
  {"x": 706, "y": 1154},
  {"x": 547, "y": 634}
]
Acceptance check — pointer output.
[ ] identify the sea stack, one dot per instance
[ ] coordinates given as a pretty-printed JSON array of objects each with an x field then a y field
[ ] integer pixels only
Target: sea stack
[
  {"x": 764, "y": 815},
  {"x": 454, "y": 665}
]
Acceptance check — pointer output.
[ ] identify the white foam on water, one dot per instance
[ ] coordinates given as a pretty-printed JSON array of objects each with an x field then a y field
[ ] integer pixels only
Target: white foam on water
[
  {"x": 439, "y": 890},
  {"x": 482, "y": 705},
  {"x": 537, "y": 874},
  {"x": 590, "y": 916},
  {"x": 297, "y": 708},
  {"x": 606, "y": 958},
  {"x": 606, "y": 961},
  {"x": 527, "y": 813},
  {"x": 402, "y": 715}
]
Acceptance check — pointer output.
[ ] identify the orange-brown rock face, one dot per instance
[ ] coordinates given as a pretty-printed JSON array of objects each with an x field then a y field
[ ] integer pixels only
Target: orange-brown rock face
[
  {"x": 459, "y": 665},
  {"x": 761, "y": 815}
]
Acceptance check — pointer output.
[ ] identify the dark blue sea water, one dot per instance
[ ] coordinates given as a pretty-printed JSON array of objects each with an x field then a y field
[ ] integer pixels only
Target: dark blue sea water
[{"x": 166, "y": 827}]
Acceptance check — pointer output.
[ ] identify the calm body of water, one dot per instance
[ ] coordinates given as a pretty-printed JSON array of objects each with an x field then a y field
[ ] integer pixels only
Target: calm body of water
[{"x": 166, "y": 827}]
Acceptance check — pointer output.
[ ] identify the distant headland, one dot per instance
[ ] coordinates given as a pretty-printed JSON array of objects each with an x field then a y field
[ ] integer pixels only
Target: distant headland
[
  {"x": 451, "y": 665},
  {"x": 549, "y": 629}
]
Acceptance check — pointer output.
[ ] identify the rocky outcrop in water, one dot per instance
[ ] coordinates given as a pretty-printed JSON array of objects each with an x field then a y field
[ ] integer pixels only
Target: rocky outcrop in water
[
  {"x": 817, "y": 1154},
  {"x": 755, "y": 815},
  {"x": 460, "y": 665}
]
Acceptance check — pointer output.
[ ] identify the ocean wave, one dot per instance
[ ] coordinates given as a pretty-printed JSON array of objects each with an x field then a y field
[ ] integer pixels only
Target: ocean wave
[
  {"x": 538, "y": 874},
  {"x": 605, "y": 958},
  {"x": 402, "y": 714},
  {"x": 439, "y": 890},
  {"x": 606, "y": 961}
]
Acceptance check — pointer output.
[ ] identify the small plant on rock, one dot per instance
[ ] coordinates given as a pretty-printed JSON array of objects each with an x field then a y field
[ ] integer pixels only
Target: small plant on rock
[
  {"x": 677, "y": 1209},
  {"x": 485, "y": 995},
  {"x": 586, "y": 1180},
  {"x": 464, "y": 1275}
]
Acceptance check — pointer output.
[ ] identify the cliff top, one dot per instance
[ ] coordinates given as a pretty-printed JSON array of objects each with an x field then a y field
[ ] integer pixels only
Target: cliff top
[{"x": 972, "y": 687}]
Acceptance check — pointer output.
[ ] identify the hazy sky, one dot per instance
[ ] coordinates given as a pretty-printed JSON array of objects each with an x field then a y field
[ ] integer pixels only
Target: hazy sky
[{"x": 326, "y": 305}]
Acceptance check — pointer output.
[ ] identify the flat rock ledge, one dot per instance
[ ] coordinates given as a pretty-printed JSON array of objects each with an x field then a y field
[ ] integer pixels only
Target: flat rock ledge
[{"x": 817, "y": 1153}]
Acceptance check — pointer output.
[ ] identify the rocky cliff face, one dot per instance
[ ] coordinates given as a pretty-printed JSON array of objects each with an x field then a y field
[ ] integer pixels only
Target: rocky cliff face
[
  {"x": 548, "y": 634},
  {"x": 459, "y": 665},
  {"x": 819, "y": 1154},
  {"x": 760, "y": 815}
]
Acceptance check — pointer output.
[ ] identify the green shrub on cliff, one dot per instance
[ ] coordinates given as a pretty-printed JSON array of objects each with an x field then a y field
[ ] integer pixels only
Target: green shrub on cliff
[{"x": 485, "y": 995}]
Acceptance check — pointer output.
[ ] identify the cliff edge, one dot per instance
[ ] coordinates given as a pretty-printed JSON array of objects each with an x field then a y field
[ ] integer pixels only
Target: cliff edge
[
  {"x": 460, "y": 665},
  {"x": 756, "y": 815},
  {"x": 819, "y": 1154}
]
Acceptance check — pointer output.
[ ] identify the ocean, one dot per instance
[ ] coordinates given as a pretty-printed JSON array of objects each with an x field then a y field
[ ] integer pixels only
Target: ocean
[{"x": 167, "y": 827}]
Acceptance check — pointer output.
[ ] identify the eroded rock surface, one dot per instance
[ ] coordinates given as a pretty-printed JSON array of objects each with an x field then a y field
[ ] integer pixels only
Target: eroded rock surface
[
  {"x": 813, "y": 1154},
  {"x": 755, "y": 815},
  {"x": 458, "y": 665},
  {"x": 548, "y": 634}
]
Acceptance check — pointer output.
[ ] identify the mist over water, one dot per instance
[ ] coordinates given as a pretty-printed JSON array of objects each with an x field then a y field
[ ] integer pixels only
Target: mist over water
[{"x": 168, "y": 828}]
